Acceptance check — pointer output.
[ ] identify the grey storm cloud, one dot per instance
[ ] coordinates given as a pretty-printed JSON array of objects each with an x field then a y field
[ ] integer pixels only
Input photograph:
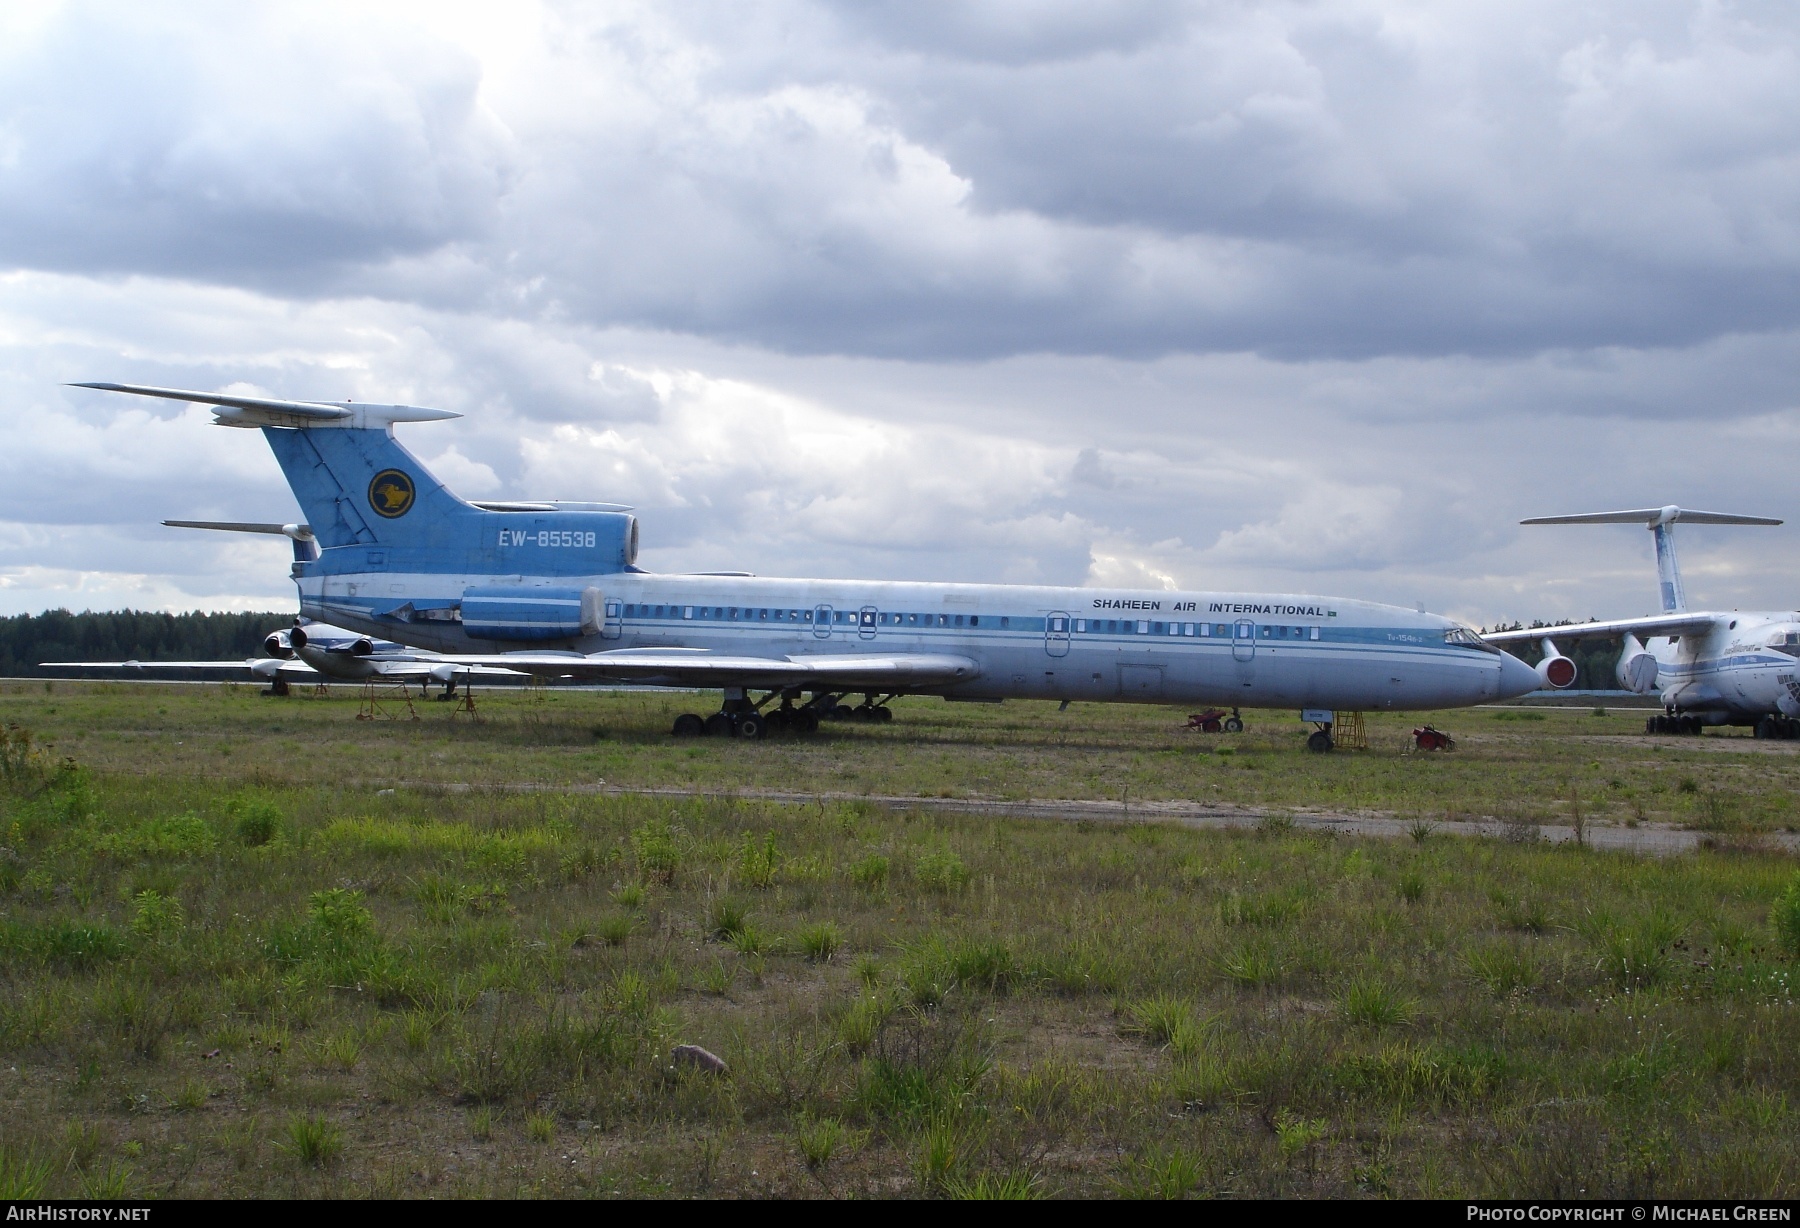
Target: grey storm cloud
[
  {"x": 946, "y": 180},
  {"x": 238, "y": 144},
  {"x": 1152, "y": 291}
]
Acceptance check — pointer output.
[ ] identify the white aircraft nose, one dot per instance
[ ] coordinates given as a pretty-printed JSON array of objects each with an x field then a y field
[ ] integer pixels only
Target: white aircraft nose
[{"x": 1516, "y": 677}]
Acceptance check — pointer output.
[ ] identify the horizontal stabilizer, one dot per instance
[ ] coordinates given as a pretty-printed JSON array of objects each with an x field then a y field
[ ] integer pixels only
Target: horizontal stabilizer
[
  {"x": 1653, "y": 516},
  {"x": 269, "y": 411},
  {"x": 298, "y": 532},
  {"x": 547, "y": 505}
]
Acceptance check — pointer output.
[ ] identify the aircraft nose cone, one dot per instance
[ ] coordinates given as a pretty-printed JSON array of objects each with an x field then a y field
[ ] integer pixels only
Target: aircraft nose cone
[{"x": 1516, "y": 677}]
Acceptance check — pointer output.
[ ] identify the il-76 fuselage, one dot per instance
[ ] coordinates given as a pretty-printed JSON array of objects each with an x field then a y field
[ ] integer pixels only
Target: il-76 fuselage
[{"x": 1240, "y": 649}]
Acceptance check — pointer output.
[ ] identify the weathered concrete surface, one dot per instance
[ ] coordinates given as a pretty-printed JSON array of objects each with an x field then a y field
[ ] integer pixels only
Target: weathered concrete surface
[{"x": 1650, "y": 839}]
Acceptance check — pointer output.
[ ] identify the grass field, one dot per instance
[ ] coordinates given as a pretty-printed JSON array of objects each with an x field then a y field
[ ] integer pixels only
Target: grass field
[{"x": 257, "y": 947}]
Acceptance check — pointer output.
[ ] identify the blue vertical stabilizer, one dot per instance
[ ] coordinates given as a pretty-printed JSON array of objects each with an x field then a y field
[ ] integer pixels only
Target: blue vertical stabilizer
[
  {"x": 373, "y": 508},
  {"x": 360, "y": 487}
]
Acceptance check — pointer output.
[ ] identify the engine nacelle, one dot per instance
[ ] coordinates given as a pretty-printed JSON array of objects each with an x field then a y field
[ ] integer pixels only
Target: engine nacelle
[
  {"x": 297, "y": 638},
  {"x": 1555, "y": 670},
  {"x": 362, "y": 647},
  {"x": 278, "y": 644},
  {"x": 517, "y": 612},
  {"x": 1636, "y": 671}
]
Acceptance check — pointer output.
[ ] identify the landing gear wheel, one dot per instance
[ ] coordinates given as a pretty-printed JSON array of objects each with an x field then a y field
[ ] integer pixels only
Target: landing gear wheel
[
  {"x": 1319, "y": 743},
  {"x": 751, "y": 726},
  {"x": 806, "y": 721},
  {"x": 718, "y": 725},
  {"x": 838, "y": 712},
  {"x": 1234, "y": 724},
  {"x": 688, "y": 725},
  {"x": 278, "y": 689},
  {"x": 883, "y": 714}
]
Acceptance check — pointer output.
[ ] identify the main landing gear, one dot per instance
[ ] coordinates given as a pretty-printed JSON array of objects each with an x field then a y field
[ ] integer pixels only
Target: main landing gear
[
  {"x": 870, "y": 709},
  {"x": 1686, "y": 726},
  {"x": 740, "y": 717},
  {"x": 1779, "y": 727}
]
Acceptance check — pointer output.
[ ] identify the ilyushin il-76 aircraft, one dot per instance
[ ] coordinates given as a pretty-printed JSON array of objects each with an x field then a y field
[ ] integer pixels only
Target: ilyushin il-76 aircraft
[
  {"x": 552, "y": 589},
  {"x": 1710, "y": 667}
]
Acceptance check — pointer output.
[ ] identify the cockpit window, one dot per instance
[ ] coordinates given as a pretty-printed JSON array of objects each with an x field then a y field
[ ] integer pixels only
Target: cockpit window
[
  {"x": 1462, "y": 637},
  {"x": 1786, "y": 642}
]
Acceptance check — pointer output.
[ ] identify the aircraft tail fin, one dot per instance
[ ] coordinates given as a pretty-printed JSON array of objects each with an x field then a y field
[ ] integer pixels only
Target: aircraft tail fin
[
  {"x": 1660, "y": 521},
  {"x": 354, "y": 481},
  {"x": 359, "y": 487}
]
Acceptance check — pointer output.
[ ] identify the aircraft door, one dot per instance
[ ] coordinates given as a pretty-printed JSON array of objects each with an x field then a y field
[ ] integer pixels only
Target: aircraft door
[
  {"x": 1056, "y": 634},
  {"x": 822, "y": 622},
  {"x": 1243, "y": 640},
  {"x": 614, "y": 623},
  {"x": 866, "y": 620}
]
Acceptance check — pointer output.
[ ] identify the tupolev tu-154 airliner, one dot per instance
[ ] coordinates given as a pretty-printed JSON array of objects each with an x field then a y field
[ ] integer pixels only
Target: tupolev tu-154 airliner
[{"x": 552, "y": 589}]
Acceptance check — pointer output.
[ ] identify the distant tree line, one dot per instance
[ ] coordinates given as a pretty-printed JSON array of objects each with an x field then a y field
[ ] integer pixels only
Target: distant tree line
[
  {"x": 130, "y": 635},
  {"x": 1595, "y": 660}
]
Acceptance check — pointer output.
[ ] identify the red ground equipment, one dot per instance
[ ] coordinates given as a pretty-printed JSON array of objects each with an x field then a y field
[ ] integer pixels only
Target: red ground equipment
[
  {"x": 1427, "y": 738},
  {"x": 1215, "y": 720}
]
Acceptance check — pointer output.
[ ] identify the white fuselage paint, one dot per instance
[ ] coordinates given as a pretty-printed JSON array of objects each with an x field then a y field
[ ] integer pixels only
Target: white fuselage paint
[
  {"x": 1744, "y": 667},
  {"x": 1239, "y": 649}
]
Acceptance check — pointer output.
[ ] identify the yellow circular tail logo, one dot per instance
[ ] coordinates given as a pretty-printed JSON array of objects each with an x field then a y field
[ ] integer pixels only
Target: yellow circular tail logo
[{"x": 391, "y": 493}]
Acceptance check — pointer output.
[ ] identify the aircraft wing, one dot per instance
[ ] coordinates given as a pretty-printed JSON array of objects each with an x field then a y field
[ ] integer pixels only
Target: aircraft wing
[
  {"x": 437, "y": 669},
  {"x": 429, "y": 669},
  {"x": 258, "y": 667},
  {"x": 701, "y": 668},
  {"x": 1656, "y": 624}
]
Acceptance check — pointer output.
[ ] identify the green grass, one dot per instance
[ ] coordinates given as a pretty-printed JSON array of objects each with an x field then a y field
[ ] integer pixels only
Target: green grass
[{"x": 272, "y": 979}]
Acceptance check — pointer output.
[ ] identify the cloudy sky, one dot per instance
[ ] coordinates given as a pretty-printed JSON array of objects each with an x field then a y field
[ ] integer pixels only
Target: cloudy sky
[{"x": 1314, "y": 296}]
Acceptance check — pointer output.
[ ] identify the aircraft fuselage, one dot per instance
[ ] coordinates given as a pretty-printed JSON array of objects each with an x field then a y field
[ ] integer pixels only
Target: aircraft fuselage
[{"x": 1241, "y": 649}]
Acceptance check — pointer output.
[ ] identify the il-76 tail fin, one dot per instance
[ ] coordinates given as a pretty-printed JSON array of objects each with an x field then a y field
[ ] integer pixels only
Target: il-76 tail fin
[{"x": 1661, "y": 521}]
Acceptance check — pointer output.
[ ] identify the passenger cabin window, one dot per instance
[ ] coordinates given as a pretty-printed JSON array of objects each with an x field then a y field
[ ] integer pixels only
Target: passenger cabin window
[{"x": 1005, "y": 622}]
